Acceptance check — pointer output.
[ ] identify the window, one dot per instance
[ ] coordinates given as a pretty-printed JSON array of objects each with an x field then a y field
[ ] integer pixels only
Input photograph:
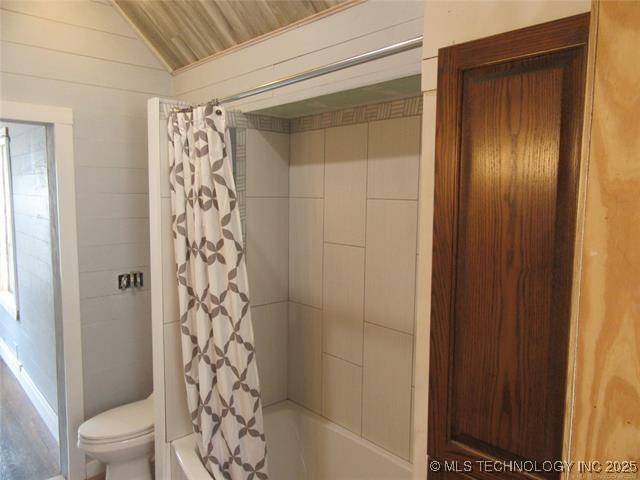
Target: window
[{"x": 8, "y": 284}]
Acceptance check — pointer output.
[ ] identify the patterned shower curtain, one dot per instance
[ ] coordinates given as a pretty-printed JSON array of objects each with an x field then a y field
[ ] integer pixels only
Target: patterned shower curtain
[{"x": 223, "y": 391}]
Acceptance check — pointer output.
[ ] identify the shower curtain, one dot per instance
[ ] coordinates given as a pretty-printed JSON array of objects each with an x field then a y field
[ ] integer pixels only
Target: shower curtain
[{"x": 223, "y": 391}]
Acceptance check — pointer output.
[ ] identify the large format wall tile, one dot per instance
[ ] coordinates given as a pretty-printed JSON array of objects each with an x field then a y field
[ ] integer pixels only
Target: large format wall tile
[
  {"x": 345, "y": 188},
  {"x": 386, "y": 396},
  {"x": 342, "y": 392},
  {"x": 343, "y": 302},
  {"x": 305, "y": 356},
  {"x": 267, "y": 249},
  {"x": 306, "y": 170},
  {"x": 391, "y": 263},
  {"x": 178, "y": 419},
  {"x": 270, "y": 331},
  {"x": 267, "y": 164},
  {"x": 394, "y": 158},
  {"x": 305, "y": 251}
]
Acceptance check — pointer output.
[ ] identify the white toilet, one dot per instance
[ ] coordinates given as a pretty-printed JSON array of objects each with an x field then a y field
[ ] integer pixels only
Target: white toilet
[{"x": 122, "y": 439}]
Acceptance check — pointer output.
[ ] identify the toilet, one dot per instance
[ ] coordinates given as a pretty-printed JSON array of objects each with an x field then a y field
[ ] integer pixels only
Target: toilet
[{"x": 122, "y": 439}]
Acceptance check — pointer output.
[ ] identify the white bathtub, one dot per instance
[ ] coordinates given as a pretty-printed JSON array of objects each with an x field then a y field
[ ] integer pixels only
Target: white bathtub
[{"x": 304, "y": 446}]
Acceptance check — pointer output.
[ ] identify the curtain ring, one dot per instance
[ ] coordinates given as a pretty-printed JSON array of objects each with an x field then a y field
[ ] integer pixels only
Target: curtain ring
[{"x": 217, "y": 104}]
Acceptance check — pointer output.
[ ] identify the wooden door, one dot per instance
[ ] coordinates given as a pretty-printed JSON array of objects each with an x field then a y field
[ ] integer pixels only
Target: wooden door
[{"x": 508, "y": 139}]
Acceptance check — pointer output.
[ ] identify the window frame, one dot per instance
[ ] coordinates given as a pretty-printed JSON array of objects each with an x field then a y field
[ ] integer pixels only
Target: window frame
[{"x": 9, "y": 294}]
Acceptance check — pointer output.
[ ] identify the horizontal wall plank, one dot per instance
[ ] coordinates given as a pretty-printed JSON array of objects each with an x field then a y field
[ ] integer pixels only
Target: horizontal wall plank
[
  {"x": 93, "y": 15},
  {"x": 114, "y": 385},
  {"x": 119, "y": 339},
  {"x": 54, "y": 65},
  {"x": 232, "y": 85},
  {"x": 104, "y": 283},
  {"x": 79, "y": 97},
  {"x": 111, "y": 127},
  {"x": 112, "y": 205},
  {"x": 352, "y": 23},
  {"x": 113, "y": 231},
  {"x": 38, "y": 32},
  {"x": 91, "y": 180},
  {"x": 449, "y": 23},
  {"x": 102, "y": 258},
  {"x": 363, "y": 44},
  {"x": 110, "y": 153},
  {"x": 373, "y": 72},
  {"x": 129, "y": 304}
]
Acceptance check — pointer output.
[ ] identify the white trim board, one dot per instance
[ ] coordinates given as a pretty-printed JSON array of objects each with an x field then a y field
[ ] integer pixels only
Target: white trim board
[
  {"x": 47, "y": 414},
  {"x": 68, "y": 331}
]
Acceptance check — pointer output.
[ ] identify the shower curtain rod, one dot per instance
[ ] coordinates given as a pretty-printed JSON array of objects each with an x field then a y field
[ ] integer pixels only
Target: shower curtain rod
[{"x": 331, "y": 67}]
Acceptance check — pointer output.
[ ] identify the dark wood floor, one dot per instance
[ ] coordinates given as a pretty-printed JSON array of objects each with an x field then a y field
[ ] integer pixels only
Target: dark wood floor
[{"x": 27, "y": 449}]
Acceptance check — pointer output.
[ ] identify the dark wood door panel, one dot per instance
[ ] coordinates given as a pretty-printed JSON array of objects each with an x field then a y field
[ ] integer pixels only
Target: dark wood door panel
[{"x": 507, "y": 159}]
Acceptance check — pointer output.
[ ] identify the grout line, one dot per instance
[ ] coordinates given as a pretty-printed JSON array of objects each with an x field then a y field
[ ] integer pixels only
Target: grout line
[
  {"x": 344, "y": 244},
  {"x": 322, "y": 326},
  {"x": 267, "y": 196},
  {"x": 364, "y": 274},
  {"x": 389, "y": 328},
  {"x": 307, "y": 197},
  {"x": 394, "y": 199},
  {"x": 253, "y": 305},
  {"x": 343, "y": 359}
]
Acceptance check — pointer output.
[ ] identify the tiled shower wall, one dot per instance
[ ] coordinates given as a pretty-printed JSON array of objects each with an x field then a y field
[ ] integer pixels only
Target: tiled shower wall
[
  {"x": 329, "y": 207},
  {"x": 353, "y": 188},
  {"x": 266, "y": 237}
]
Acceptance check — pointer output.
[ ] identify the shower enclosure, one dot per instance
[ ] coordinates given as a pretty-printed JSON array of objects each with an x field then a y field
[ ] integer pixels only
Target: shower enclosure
[{"x": 328, "y": 204}]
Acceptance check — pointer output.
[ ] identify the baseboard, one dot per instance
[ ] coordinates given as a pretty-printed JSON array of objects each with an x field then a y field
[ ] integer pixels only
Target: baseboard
[
  {"x": 94, "y": 468},
  {"x": 48, "y": 415}
]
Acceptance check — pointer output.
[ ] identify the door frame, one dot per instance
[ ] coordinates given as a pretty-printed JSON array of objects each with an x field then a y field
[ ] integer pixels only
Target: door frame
[{"x": 59, "y": 123}]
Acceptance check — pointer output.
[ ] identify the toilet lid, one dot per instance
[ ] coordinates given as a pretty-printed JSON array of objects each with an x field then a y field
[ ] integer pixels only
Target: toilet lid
[{"x": 121, "y": 423}]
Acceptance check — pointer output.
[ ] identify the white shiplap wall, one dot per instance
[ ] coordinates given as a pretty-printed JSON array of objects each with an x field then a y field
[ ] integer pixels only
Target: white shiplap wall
[
  {"x": 359, "y": 29},
  {"x": 83, "y": 55}
]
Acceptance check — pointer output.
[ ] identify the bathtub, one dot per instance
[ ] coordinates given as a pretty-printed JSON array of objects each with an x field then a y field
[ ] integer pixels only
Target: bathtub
[{"x": 304, "y": 446}]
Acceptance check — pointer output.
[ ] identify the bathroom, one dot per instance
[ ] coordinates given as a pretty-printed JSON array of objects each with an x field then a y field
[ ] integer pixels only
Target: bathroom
[
  {"x": 333, "y": 126},
  {"x": 325, "y": 276}
]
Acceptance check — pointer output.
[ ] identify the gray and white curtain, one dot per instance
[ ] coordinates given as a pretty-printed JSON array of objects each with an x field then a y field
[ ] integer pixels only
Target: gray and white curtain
[{"x": 223, "y": 390}]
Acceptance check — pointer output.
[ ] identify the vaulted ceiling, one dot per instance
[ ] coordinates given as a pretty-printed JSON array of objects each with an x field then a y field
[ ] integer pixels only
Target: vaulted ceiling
[{"x": 185, "y": 31}]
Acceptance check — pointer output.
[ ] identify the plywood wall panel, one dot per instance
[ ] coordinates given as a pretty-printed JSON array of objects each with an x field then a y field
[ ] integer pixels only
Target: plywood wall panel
[{"x": 606, "y": 422}]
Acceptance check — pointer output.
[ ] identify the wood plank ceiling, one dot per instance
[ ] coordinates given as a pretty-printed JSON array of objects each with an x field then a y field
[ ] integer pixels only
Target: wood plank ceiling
[{"x": 186, "y": 31}]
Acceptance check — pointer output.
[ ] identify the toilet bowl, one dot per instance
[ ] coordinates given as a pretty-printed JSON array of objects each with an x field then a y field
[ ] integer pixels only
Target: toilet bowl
[{"x": 122, "y": 439}]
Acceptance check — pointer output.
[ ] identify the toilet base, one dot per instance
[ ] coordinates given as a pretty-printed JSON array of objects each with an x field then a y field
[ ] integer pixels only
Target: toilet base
[{"x": 136, "y": 469}]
